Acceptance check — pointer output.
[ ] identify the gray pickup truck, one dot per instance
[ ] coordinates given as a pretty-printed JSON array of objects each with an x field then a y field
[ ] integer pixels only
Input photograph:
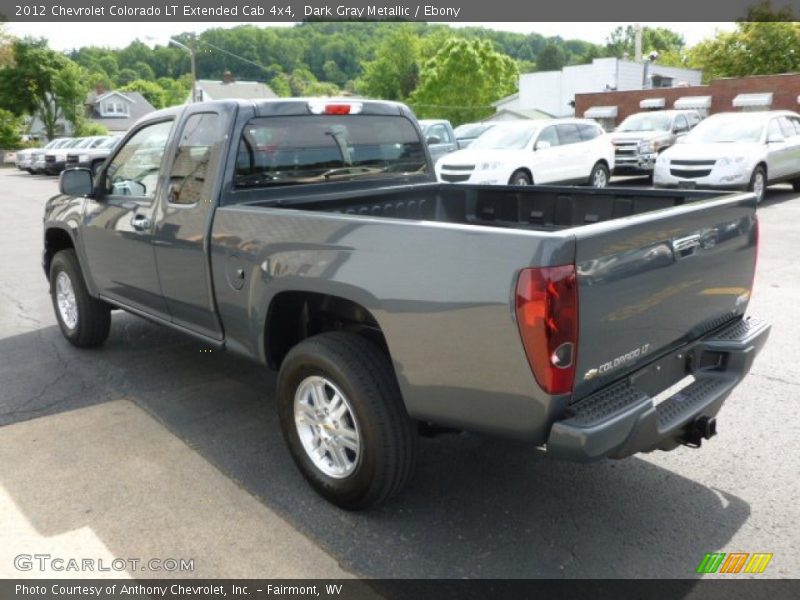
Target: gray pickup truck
[{"x": 311, "y": 236}]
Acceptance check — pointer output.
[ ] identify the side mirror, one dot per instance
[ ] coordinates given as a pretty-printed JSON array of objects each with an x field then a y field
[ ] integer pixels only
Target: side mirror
[
  {"x": 775, "y": 138},
  {"x": 542, "y": 145},
  {"x": 433, "y": 139},
  {"x": 76, "y": 182}
]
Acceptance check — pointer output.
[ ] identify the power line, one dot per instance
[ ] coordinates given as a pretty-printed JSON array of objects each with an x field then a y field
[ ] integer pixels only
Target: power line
[{"x": 242, "y": 58}]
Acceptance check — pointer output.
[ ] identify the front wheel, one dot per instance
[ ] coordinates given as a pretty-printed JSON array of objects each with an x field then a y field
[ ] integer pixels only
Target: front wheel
[
  {"x": 796, "y": 185},
  {"x": 344, "y": 421},
  {"x": 599, "y": 176},
  {"x": 758, "y": 183},
  {"x": 84, "y": 321},
  {"x": 520, "y": 178}
]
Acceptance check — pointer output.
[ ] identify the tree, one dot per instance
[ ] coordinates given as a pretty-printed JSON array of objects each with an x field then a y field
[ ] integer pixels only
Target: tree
[
  {"x": 176, "y": 91},
  {"x": 622, "y": 41},
  {"x": 394, "y": 73},
  {"x": 10, "y": 126},
  {"x": 551, "y": 58},
  {"x": 462, "y": 80},
  {"x": 43, "y": 82},
  {"x": 280, "y": 85},
  {"x": 85, "y": 128},
  {"x": 127, "y": 75},
  {"x": 764, "y": 43},
  {"x": 151, "y": 91}
]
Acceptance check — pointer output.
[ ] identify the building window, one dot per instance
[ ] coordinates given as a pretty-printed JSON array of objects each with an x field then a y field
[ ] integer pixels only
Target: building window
[{"x": 660, "y": 81}]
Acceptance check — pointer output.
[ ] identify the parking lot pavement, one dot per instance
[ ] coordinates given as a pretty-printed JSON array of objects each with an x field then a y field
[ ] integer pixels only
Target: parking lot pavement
[{"x": 477, "y": 507}]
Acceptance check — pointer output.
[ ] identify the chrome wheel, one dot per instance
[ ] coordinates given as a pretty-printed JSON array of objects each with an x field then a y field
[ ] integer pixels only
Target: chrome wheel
[
  {"x": 600, "y": 178},
  {"x": 65, "y": 299},
  {"x": 759, "y": 185},
  {"x": 327, "y": 427}
]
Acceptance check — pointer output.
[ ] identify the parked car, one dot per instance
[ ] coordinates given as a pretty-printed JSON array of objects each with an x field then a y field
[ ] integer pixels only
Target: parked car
[
  {"x": 24, "y": 158},
  {"x": 92, "y": 156},
  {"x": 641, "y": 136},
  {"x": 387, "y": 300},
  {"x": 56, "y": 160},
  {"x": 38, "y": 164},
  {"x": 469, "y": 132},
  {"x": 440, "y": 137},
  {"x": 747, "y": 150},
  {"x": 535, "y": 151}
]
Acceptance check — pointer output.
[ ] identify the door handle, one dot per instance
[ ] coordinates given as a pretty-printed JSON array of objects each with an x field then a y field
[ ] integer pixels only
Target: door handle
[{"x": 141, "y": 223}]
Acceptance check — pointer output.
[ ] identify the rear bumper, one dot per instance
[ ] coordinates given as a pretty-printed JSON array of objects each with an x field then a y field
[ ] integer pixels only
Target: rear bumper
[{"x": 622, "y": 419}]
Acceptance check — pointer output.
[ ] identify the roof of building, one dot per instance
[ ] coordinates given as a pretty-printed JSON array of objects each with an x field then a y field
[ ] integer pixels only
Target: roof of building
[
  {"x": 506, "y": 99},
  {"x": 243, "y": 90},
  {"x": 138, "y": 106},
  {"x": 521, "y": 113}
]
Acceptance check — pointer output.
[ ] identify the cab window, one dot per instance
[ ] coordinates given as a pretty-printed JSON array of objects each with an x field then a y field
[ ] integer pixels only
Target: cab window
[{"x": 134, "y": 169}]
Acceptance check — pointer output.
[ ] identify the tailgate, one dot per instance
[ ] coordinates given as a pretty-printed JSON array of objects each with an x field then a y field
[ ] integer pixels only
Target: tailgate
[{"x": 650, "y": 283}]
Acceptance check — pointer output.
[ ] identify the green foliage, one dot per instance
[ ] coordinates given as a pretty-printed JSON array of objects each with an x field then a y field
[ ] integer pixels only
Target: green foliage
[
  {"x": 394, "y": 73},
  {"x": 151, "y": 91},
  {"x": 551, "y": 58},
  {"x": 176, "y": 91},
  {"x": 462, "y": 80},
  {"x": 765, "y": 43},
  {"x": 84, "y": 127},
  {"x": 43, "y": 82},
  {"x": 621, "y": 41},
  {"x": 10, "y": 126},
  {"x": 280, "y": 84},
  {"x": 126, "y": 76}
]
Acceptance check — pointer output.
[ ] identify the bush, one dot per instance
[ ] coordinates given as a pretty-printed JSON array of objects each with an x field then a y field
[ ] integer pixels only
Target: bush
[{"x": 10, "y": 127}]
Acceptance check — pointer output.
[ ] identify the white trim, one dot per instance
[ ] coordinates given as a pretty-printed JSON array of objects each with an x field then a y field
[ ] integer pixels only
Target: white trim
[
  {"x": 751, "y": 100},
  {"x": 653, "y": 103},
  {"x": 601, "y": 112},
  {"x": 696, "y": 102}
]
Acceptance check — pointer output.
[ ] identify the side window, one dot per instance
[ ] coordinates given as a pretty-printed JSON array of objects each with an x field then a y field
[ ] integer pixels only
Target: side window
[
  {"x": 196, "y": 159},
  {"x": 694, "y": 119},
  {"x": 568, "y": 133},
  {"x": 588, "y": 131},
  {"x": 786, "y": 127},
  {"x": 548, "y": 135},
  {"x": 681, "y": 124},
  {"x": 134, "y": 169},
  {"x": 774, "y": 129},
  {"x": 796, "y": 122},
  {"x": 440, "y": 131}
]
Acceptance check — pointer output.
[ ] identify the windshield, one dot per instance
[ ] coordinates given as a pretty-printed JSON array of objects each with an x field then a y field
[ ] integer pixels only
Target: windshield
[
  {"x": 109, "y": 142},
  {"x": 83, "y": 143},
  {"x": 646, "y": 122},
  {"x": 314, "y": 149},
  {"x": 727, "y": 129},
  {"x": 505, "y": 138},
  {"x": 471, "y": 130}
]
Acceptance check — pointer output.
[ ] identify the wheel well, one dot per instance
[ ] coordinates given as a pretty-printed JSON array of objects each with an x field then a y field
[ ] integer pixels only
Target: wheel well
[
  {"x": 603, "y": 162},
  {"x": 763, "y": 165},
  {"x": 295, "y": 316},
  {"x": 55, "y": 240},
  {"x": 524, "y": 170}
]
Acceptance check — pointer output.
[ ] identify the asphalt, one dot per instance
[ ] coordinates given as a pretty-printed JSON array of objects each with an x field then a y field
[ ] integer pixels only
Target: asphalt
[{"x": 476, "y": 507}]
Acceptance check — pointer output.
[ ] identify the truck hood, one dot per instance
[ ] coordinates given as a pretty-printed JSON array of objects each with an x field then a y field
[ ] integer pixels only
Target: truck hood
[{"x": 630, "y": 136}]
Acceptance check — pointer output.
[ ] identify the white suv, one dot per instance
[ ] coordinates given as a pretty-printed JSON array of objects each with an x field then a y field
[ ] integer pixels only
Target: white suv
[
  {"x": 526, "y": 152},
  {"x": 747, "y": 150}
]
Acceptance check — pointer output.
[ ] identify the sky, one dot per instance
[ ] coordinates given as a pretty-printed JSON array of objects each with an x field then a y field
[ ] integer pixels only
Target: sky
[{"x": 116, "y": 35}]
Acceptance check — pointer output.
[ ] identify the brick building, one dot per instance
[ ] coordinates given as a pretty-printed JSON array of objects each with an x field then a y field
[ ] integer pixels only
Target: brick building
[{"x": 762, "y": 92}]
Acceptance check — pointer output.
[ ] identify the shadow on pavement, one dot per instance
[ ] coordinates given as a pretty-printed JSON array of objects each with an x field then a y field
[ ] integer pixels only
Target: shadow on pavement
[{"x": 477, "y": 507}]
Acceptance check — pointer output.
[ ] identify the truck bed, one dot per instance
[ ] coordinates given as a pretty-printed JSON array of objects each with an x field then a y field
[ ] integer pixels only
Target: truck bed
[{"x": 543, "y": 208}]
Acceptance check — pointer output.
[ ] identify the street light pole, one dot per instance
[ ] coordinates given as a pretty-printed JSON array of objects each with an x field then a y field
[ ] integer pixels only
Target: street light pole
[{"x": 194, "y": 69}]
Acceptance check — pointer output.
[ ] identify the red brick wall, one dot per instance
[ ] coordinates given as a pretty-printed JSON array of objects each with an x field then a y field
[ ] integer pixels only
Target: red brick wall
[{"x": 785, "y": 90}]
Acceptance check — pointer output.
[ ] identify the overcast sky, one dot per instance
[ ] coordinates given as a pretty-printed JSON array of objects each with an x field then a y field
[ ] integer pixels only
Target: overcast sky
[{"x": 66, "y": 36}]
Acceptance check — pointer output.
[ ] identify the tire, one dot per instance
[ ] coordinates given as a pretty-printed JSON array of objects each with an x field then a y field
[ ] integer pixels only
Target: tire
[
  {"x": 599, "y": 176},
  {"x": 84, "y": 321},
  {"x": 351, "y": 366},
  {"x": 796, "y": 185},
  {"x": 753, "y": 186},
  {"x": 520, "y": 178}
]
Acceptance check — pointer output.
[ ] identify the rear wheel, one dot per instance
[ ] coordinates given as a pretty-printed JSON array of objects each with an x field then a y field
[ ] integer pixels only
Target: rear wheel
[
  {"x": 599, "y": 176},
  {"x": 84, "y": 321},
  {"x": 520, "y": 178},
  {"x": 758, "y": 183},
  {"x": 796, "y": 185},
  {"x": 344, "y": 421}
]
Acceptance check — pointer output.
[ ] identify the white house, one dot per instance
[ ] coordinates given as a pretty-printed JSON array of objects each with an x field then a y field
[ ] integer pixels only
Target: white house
[
  {"x": 229, "y": 87},
  {"x": 554, "y": 91}
]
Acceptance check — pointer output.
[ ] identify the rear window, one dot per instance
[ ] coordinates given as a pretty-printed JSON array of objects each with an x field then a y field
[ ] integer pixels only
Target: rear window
[
  {"x": 276, "y": 151},
  {"x": 589, "y": 131}
]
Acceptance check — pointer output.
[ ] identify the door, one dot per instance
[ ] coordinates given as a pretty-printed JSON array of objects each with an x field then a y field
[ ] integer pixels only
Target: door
[
  {"x": 778, "y": 152},
  {"x": 789, "y": 127},
  {"x": 446, "y": 143},
  {"x": 118, "y": 223},
  {"x": 548, "y": 163},
  {"x": 576, "y": 154},
  {"x": 183, "y": 222},
  {"x": 681, "y": 126}
]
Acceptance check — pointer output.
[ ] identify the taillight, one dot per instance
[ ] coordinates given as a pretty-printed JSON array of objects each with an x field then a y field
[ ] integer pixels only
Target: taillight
[{"x": 547, "y": 315}]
